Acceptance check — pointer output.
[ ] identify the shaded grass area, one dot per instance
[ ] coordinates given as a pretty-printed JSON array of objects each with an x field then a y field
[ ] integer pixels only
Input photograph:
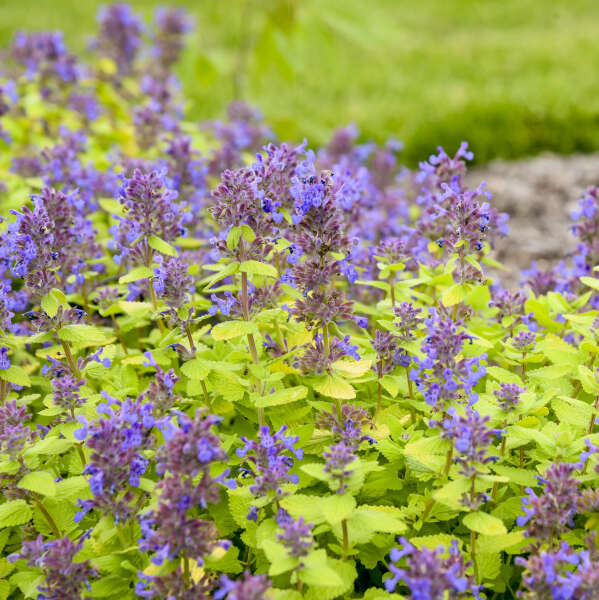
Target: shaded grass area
[{"x": 514, "y": 77}]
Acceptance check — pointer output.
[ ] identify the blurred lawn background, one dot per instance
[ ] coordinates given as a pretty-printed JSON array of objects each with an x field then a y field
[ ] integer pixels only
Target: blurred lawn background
[{"x": 513, "y": 77}]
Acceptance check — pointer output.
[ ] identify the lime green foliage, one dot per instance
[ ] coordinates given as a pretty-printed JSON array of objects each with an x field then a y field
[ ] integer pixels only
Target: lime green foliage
[{"x": 513, "y": 77}]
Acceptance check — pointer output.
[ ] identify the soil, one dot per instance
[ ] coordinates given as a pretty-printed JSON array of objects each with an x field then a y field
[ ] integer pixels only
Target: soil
[{"x": 539, "y": 194}]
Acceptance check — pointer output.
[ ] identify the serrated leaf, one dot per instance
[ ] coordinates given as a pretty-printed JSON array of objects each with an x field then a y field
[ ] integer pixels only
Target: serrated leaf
[
  {"x": 484, "y": 523},
  {"x": 284, "y": 396},
  {"x": 196, "y": 369},
  {"x": 588, "y": 380},
  {"x": 233, "y": 238},
  {"x": 337, "y": 507},
  {"x": 82, "y": 333},
  {"x": 49, "y": 445},
  {"x": 353, "y": 368},
  {"x": 317, "y": 571},
  {"x": 232, "y": 329},
  {"x": 254, "y": 267},
  {"x": 52, "y": 301},
  {"x": 453, "y": 295},
  {"x": 503, "y": 375},
  {"x": 346, "y": 571},
  {"x": 591, "y": 282},
  {"x": 161, "y": 246},
  {"x": 334, "y": 387},
  {"x": 40, "y": 482},
  {"x": 136, "y": 274},
  {"x": 16, "y": 375},
  {"x": 300, "y": 505},
  {"x": 14, "y": 512}
]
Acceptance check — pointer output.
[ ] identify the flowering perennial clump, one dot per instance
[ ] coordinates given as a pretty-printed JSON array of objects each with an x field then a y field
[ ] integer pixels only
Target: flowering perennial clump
[{"x": 237, "y": 368}]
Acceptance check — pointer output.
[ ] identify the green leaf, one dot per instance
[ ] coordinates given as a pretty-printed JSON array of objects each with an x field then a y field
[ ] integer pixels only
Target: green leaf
[
  {"x": 503, "y": 375},
  {"x": 591, "y": 282},
  {"x": 88, "y": 334},
  {"x": 453, "y": 295},
  {"x": 254, "y": 267},
  {"x": 40, "y": 482},
  {"x": 49, "y": 445},
  {"x": 498, "y": 543},
  {"x": 284, "y": 396},
  {"x": 14, "y": 512},
  {"x": 111, "y": 206},
  {"x": 345, "y": 570},
  {"x": 233, "y": 238},
  {"x": 484, "y": 523},
  {"x": 73, "y": 488},
  {"x": 588, "y": 380},
  {"x": 136, "y": 274},
  {"x": 337, "y": 507},
  {"x": 196, "y": 369},
  {"x": 52, "y": 301},
  {"x": 247, "y": 233},
  {"x": 232, "y": 329},
  {"x": 226, "y": 270},
  {"x": 335, "y": 387},
  {"x": 300, "y": 505},
  {"x": 15, "y": 374},
  {"x": 317, "y": 571},
  {"x": 161, "y": 246}
]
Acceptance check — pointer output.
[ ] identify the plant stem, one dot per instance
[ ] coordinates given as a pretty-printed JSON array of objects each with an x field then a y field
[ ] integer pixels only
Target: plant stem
[
  {"x": 250, "y": 336},
  {"x": 345, "y": 538},
  {"x": 473, "y": 554},
  {"x": 206, "y": 397},
  {"x": 67, "y": 352},
  {"x": 81, "y": 455},
  {"x": 325, "y": 339},
  {"x": 3, "y": 390},
  {"x": 448, "y": 459},
  {"x": 392, "y": 290},
  {"x": 185, "y": 565},
  {"x": 119, "y": 335},
  {"x": 594, "y": 415},
  {"x": 192, "y": 347},
  {"x": 48, "y": 517},
  {"x": 427, "y": 509},
  {"x": 410, "y": 385},
  {"x": 379, "y": 398}
]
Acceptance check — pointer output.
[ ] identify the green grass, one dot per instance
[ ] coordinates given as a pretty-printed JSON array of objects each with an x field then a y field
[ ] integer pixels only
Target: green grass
[{"x": 514, "y": 77}]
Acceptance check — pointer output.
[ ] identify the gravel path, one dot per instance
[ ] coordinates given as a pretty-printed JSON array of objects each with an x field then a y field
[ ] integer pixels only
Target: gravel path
[{"x": 538, "y": 193}]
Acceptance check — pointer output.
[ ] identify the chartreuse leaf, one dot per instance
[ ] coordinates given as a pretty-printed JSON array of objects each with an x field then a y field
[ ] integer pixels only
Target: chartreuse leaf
[
  {"x": 318, "y": 571},
  {"x": 454, "y": 295},
  {"x": 337, "y": 507},
  {"x": 136, "y": 274},
  {"x": 300, "y": 505},
  {"x": 14, "y": 512},
  {"x": 334, "y": 387},
  {"x": 484, "y": 523},
  {"x": 254, "y": 267},
  {"x": 232, "y": 329},
  {"x": 591, "y": 282},
  {"x": 588, "y": 379},
  {"x": 233, "y": 237},
  {"x": 52, "y": 301},
  {"x": 40, "y": 482},
  {"x": 161, "y": 246},
  {"x": 196, "y": 369},
  {"x": 88, "y": 334},
  {"x": 345, "y": 570},
  {"x": 280, "y": 561},
  {"x": 284, "y": 396},
  {"x": 16, "y": 375}
]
